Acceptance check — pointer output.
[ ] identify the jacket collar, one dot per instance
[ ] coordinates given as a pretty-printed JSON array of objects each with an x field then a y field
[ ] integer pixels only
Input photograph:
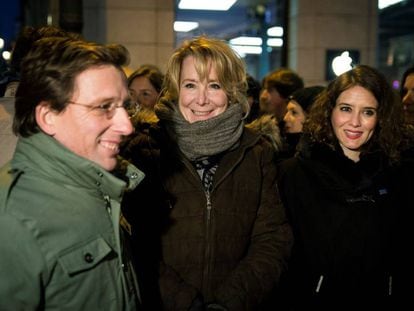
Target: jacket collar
[
  {"x": 231, "y": 158},
  {"x": 335, "y": 170},
  {"x": 44, "y": 155}
]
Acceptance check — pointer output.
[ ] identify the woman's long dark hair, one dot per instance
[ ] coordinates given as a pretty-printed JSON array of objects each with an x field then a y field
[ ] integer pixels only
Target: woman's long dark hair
[{"x": 389, "y": 131}]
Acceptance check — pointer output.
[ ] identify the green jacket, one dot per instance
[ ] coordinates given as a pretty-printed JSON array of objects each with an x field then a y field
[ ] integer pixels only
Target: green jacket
[{"x": 61, "y": 242}]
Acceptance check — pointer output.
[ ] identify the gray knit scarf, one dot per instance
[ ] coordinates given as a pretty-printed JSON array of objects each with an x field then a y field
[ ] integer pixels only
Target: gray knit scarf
[{"x": 203, "y": 138}]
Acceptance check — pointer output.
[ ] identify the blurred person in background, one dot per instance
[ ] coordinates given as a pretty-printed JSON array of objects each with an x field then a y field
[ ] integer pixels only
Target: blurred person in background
[
  {"x": 145, "y": 85},
  {"x": 277, "y": 87},
  {"x": 407, "y": 94},
  {"x": 298, "y": 108},
  {"x": 253, "y": 98}
]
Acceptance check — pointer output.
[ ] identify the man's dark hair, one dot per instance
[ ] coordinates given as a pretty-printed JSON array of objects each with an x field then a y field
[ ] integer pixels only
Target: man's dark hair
[
  {"x": 24, "y": 42},
  {"x": 28, "y": 36},
  {"x": 284, "y": 80},
  {"x": 152, "y": 73},
  {"x": 49, "y": 71}
]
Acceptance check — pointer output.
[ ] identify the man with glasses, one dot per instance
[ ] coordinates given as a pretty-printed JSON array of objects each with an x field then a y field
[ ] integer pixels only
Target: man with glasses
[{"x": 63, "y": 239}]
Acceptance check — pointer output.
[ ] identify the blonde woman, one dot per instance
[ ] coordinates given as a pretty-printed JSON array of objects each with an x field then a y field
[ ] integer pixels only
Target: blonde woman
[{"x": 227, "y": 240}]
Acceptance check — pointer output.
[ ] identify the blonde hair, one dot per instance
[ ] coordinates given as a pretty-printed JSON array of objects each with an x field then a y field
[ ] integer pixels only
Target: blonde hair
[{"x": 230, "y": 68}]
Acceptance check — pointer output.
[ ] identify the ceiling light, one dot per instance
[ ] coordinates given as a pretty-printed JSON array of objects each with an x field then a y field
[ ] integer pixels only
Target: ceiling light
[
  {"x": 184, "y": 26},
  {"x": 214, "y": 5},
  {"x": 275, "y": 42},
  {"x": 382, "y": 4},
  {"x": 6, "y": 55},
  {"x": 275, "y": 31},
  {"x": 246, "y": 41},
  {"x": 242, "y": 50}
]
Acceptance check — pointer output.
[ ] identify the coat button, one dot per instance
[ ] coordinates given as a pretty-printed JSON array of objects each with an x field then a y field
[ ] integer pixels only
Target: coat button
[{"x": 88, "y": 257}]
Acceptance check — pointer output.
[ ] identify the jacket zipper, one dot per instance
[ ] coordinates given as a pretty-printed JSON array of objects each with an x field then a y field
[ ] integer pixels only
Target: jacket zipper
[
  {"x": 208, "y": 206},
  {"x": 319, "y": 284},
  {"x": 390, "y": 285},
  {"x": 206, "y": 270}
]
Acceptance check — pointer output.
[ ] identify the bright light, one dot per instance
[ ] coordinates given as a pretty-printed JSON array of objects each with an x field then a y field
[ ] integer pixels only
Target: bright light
[
  {"x": 242, "y": 50},
  {"x": 396, "y": 85},
  {"x": 6, "y": 55},
  {"x": 342, "y": 63},
  {"x": 246, "y": 41},
  {"x": 275, "y": 31},
  {"x": 382, "y": 4},
  {"x": 213, "y": 5},
  {"x": 1, "y": 43},
  {"x": 185, "y": 26},
  {"x": 275, "y": 42}
]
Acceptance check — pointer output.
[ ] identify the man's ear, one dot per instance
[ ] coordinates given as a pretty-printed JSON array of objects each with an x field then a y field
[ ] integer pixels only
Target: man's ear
[{"x": 46, "y": 118}]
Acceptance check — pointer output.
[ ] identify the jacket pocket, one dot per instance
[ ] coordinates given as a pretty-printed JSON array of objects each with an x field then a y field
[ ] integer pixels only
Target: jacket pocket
[{"x": 84, "y": 257}]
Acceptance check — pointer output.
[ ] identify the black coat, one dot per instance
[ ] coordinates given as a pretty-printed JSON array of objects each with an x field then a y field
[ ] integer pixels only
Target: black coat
[{"x": 350, "y": 223}]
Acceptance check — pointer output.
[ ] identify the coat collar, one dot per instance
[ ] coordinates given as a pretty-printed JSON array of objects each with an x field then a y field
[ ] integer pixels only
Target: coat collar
[
  {"x": 335, "y": 170},
  {"x": 46, "y": 156},
  {"x": 231, "y": 158}
]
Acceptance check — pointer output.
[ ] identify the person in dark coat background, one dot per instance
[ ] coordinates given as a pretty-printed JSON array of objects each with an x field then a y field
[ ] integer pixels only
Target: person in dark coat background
[
  {"x": 297, "y": 110},
  {"x": 277, "y": 86},
  {"x": 346, "y": 196},
  {"x": 253, "y": 97},
  {"x": 407, "y": 94}
]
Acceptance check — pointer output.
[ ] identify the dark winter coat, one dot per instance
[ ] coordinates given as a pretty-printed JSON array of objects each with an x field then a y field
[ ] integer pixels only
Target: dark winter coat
[
  {"x": 229, "y": 245},
  {"x": 348, "y": 220}
]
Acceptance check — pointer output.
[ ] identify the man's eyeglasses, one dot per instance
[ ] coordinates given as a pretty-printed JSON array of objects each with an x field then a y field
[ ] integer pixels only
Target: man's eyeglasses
[{"x": 108, "y": 109}]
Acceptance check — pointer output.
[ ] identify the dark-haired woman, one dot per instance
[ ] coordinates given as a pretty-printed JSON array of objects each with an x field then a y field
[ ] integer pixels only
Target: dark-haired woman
[{"x": 345, "y": 193}]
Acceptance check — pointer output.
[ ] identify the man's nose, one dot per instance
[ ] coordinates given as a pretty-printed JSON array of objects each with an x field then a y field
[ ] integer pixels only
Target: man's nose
[{"x": 122, "y": 122}]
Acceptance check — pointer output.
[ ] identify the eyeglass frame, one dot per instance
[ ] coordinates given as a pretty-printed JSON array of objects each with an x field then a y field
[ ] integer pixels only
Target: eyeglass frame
[{"x": 109, "y": 111}]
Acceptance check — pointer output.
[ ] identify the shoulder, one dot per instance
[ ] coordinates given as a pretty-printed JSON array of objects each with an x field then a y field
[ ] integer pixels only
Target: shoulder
[
  {"x": 19, "y": 249},
  {"x": 267, "y": 126},
  {"x": 12, "y": 224},
  {"x": 254, "y": 142},
  {"x": 252, "y": 138},
  {"x": 8, "y": 178}
]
